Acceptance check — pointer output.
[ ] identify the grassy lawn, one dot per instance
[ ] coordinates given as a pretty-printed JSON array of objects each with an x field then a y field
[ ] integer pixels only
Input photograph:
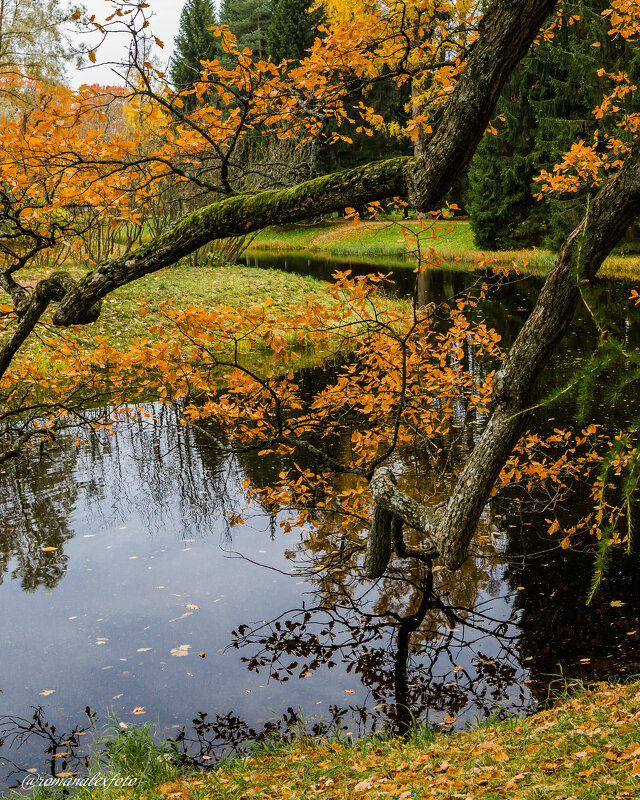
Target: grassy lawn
[
  {"x": 205, "y": 287},
  {"x": 184, "y": 285},
  {"x": 452, "y": 240},
  {"x": 587, "y": 747},
  {"x": 342, "y": 237}
]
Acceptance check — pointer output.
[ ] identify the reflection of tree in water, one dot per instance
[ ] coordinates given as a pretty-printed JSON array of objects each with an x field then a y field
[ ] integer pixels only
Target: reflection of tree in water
[
  {"x": 155, "y": 468},
  {"x": 430, "y": 662},
  {"x": 416, "y": 654},
  {"x": 63, "y": 750},
  {"x": 38, "y": 500}
]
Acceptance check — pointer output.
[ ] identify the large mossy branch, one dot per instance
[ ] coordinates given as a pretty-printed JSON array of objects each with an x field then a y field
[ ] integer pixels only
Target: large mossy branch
[
  {"x": 506, "y": 33},
  {"x": 237, "y": 216}
]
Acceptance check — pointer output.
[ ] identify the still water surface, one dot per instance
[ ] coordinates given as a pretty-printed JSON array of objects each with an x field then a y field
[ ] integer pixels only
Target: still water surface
[{"x": 150, "y": 603}]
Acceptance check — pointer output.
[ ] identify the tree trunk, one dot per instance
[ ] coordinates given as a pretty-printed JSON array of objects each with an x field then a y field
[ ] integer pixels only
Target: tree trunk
[{"x": 449, "y": 529}]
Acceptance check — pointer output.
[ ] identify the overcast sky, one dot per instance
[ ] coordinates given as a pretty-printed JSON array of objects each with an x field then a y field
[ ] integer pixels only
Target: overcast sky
[{"x": 164, "y": 24}]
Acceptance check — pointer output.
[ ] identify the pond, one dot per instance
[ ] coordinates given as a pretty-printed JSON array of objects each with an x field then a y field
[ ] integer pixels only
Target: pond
[{"x": 127, "y": 597}]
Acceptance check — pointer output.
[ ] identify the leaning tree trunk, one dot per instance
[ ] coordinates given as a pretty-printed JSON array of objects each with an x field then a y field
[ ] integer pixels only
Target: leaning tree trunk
[{"x": 449, "y": 529}]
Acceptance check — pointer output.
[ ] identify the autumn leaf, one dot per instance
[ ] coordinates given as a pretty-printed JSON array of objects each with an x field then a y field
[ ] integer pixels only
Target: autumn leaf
[{"x": 181, "y": 650}]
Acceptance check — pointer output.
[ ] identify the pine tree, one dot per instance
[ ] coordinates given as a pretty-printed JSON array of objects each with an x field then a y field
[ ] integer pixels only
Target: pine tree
[
  {"x": 249, "y": 22},
  {"x": 193, "y": 44},
  {"x": 546, "y": 105},
  {"x": 293, "y": 29}
]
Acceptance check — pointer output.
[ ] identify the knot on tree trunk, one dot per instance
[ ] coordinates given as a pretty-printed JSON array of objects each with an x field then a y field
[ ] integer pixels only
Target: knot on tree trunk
[{"x": 393, "y": 508}]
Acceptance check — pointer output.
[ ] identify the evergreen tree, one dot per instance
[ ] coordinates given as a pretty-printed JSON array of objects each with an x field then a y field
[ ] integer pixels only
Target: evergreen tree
[
  {"x": 193, "y": 44},
  {"x": 249, "y": 22},
  {"x": 546, "y": 106},
  {"x": 293, "y": 29}
]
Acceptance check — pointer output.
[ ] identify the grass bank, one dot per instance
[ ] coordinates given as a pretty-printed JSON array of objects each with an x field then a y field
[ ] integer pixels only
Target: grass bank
[
  {"x": 586, "y": 746},
  {"x": 452, "y": 240},
  {"x": 204, "y": 287}
]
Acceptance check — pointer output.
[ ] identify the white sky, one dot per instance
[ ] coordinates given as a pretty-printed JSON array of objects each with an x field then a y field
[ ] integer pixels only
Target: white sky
[{"x": 164, "y": 24}]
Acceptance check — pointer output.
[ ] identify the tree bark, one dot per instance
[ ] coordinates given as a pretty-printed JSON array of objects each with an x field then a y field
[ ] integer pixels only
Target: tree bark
[{"x": 449, "y": 529}]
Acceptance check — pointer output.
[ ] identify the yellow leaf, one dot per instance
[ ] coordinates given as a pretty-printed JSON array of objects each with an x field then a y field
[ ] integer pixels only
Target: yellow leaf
[
  {"x": 565, "y": 543},
  {"x": 48, "y": 549}
]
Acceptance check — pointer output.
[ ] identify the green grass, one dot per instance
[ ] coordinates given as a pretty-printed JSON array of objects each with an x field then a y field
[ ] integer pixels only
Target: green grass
[
  {"x": 453, "y": 240},
  {"x": 586, "y": 746},
  {"x": 203, "y": 286},
  {"x": 364, "y": 238}
]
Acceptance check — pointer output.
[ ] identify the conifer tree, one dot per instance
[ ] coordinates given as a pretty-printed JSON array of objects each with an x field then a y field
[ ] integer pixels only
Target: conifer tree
[
  {"x": 293, "y": 29},
  {"x": 193, "y": 44},
  {"x": 249, "y": 22},
  {"x": 546, "y": 106}
]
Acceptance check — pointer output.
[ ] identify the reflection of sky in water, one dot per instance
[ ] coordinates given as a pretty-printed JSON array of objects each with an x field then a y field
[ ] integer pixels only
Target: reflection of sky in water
[
  {"x": 145, "y": 539},
  {"x": 138, "y": 520}
]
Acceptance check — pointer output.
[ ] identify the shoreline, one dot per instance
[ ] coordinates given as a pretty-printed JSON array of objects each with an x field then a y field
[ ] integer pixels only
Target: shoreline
[
  {"x": 586, "y": 744},
  {"x": 445, "y": 244}
]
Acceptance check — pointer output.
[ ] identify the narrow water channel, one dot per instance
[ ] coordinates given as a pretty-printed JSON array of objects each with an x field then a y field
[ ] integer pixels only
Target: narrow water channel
[{"x": 124, "y": 590}]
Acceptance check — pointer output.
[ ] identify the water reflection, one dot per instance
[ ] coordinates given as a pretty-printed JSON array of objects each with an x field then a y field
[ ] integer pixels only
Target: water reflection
[{"x": 118, "y": 551}]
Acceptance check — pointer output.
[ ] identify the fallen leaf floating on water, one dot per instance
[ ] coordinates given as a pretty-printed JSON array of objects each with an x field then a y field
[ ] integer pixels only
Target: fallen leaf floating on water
[
  {"x": 616, "y": 603},
  {"x": 202, "y": 655},
  {"x": 139, "y": 710},
  {"x": 46, "y": 692},
  {"x": 181, "y": 650},
  {"x": 182, "y": 616},
  {"x": 48, "y": 549},
  {"x": 192, "y": 605},
  {"x": 142, "y": 649}
]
